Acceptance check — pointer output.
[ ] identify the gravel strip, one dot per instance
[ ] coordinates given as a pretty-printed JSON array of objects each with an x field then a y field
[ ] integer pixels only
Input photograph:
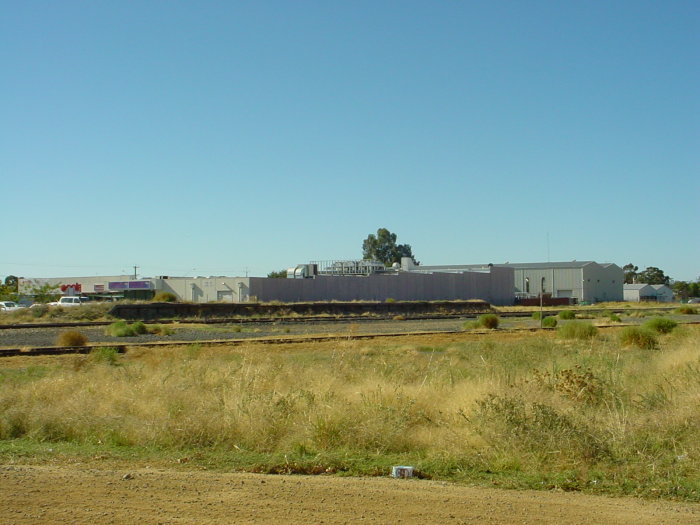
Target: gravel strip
[{"x": 25, "y": 337}]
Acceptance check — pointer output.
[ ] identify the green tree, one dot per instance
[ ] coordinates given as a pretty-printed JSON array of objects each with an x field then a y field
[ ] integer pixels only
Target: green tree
[
  {"x": 282, "y": 274},
  {"x": 685, "y": 289},
  {"x": 681, "y": 289},
  {"x": 630, "y": 272},
  {"x": 382, "y": 247},
  {"x": 653, "y": 275},
  {"x": 12, "y": 282},
  {"x": 694, "y": 289},
  {"x": 8, "y": 291},
  {"x": 45, "y": 293}
]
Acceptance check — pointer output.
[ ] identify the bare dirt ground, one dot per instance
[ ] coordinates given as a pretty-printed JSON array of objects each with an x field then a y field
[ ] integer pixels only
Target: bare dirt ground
[{"x": 79, "y": 494}]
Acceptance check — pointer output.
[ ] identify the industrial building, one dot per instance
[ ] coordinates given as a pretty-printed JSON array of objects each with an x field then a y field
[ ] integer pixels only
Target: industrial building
[
  {"x": 340, "y": 281},
  {"x": 648, "y": 292},
  {"x": 195, "y": 289},
  {"x": 579, "y": 281},
  {"x": 343, "y": 281},
  {"x": 583, "y": 281},
  {"x": 498, "y": 284}
]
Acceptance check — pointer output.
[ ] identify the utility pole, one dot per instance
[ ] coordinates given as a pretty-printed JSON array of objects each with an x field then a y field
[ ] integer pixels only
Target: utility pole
[
  {"x": 135, "y": 268},
  {"x": 541, "y": 296}
]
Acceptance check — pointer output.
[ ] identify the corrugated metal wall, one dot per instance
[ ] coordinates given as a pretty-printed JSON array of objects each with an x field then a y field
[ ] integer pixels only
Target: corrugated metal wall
[
  {"x": 495, "y": 287},
  {"x": 590, "y": 282}
]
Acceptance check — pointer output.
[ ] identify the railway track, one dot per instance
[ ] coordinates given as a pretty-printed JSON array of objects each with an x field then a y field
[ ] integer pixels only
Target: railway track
[
  {"x": 121, "y": 347},
  {"x": 58, "y": 350}
]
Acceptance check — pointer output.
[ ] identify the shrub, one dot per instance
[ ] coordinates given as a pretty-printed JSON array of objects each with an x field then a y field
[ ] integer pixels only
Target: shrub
[
  {"x": 389, "y": 300},
  {"x": 536, "y": 316},
  {"x": 660, "y": 325},
  {"x": 687, "y": 310},
  {"x": 39, "y": 310},
  {"x": 139, "y": 328},
  {"x": 549, "y": 322},
  {"x": 159, "y": 329},
  {"x": 122, "y": 329},
  {"x": 639, "y": 337},
  {"x": 71, "y": 338},
  {"x": 567, "y": 314},
  {"x": 164, "y": 297},
  {"x": 577, "y": 330},
  {"x": 489, "y": 321},
  {"x": 614, "y": 318},
  {"x": 107, "y": 355},
  {"x": 118, "y": 329}
]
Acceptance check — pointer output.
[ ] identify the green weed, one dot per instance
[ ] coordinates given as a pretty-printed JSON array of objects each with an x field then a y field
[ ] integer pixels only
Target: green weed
[
  {"x": 577, "y": 330},
  {"x": 660, "y": 325},
  {"x": 549, "y": 322}
]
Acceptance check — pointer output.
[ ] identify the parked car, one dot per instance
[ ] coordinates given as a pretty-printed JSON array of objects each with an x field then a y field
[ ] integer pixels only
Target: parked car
[
  {"x": 69, "y": 301},
  {"x": 9, "y": 306}
]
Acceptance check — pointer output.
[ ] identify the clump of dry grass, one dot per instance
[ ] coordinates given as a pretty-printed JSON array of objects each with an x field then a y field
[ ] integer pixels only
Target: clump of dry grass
[{"x": 71, "y": 338}]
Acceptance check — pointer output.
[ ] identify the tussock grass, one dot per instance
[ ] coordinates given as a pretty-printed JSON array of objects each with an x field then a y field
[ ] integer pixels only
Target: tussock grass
[
  {"x": 160, "y": 329},
  {"x": 164, "y": 297},
  {"x": 521, "y": 411},
  {"x": 71, "y": 338},
  {"x": 660, "y": 325},
  {"x": 124, "y": 329},
  {"x": 549, "y": 322},
  {"x": 687, "y": 310},
  {"x": 577, "y": 330},
  {"x": 489, "y": 321},
  {"x": 640, "y": 337}
]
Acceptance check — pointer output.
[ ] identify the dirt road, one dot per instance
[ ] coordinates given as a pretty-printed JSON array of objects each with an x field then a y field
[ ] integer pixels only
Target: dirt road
[{"x": 66, "y": 494}]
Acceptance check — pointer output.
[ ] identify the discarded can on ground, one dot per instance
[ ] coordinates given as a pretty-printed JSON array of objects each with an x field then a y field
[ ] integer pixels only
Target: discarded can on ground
[{"x": 401, "y": 472}]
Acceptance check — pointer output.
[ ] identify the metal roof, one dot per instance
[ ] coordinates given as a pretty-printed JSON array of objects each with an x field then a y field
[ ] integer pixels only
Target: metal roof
[{"x": 545, "y": 265}]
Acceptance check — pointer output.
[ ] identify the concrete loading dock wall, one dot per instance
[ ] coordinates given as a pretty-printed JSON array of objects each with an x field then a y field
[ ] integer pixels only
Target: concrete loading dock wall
[{"x": 152, "y": 311}]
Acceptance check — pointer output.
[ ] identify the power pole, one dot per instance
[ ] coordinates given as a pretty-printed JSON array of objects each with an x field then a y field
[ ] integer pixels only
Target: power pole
[
  {"x": 541, "y": 296},
  {"x": 135, "y": 268}
]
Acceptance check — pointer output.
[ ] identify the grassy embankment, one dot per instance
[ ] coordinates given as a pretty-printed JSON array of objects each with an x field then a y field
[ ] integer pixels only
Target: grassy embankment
[{"x": 526, "y": 411}]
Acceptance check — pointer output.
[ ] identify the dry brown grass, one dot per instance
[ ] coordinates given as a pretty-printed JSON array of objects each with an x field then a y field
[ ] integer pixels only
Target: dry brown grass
[
  {"x": 71, "y": 338},
  {"x": 503, "y": 403}
]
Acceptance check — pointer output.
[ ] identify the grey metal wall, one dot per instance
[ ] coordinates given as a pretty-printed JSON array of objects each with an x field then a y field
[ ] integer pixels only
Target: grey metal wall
[
  {"x": 589, "y": 282},
  {"x": 603, "y": 283},
  {"x": 557, "y": 281},
  {"x": 495, "y": 287}
]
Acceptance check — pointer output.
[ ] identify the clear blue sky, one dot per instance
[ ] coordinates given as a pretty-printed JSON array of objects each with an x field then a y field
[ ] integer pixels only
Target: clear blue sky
[{"x": 225, "y": 137}]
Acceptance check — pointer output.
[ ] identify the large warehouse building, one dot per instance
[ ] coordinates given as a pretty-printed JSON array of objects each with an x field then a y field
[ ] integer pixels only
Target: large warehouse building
[
  {"x": 580, "y": 281},
  {"x": 347, "y": 281}
]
